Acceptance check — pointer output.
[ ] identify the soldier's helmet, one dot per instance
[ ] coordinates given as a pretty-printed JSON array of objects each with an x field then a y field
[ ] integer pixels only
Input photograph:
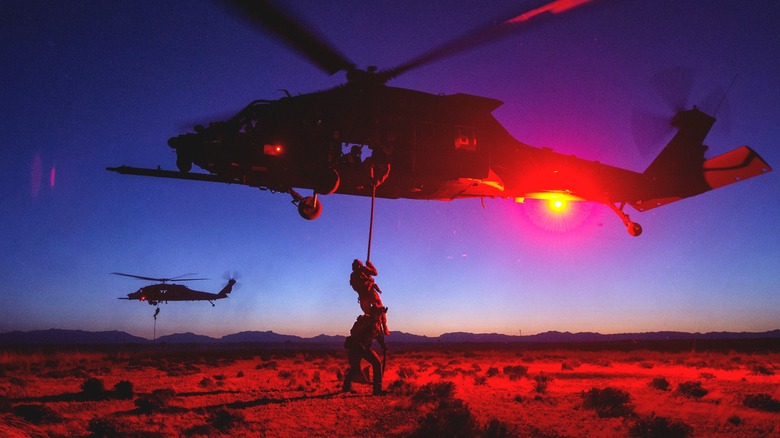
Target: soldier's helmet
[{"x": 356, "y": 264}]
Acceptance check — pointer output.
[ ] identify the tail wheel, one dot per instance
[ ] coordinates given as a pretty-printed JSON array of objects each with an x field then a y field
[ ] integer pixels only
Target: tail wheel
[{"x": 310, "y": 208}]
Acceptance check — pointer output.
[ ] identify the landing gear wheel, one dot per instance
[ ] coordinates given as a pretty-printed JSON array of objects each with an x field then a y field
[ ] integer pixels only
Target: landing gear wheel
[
  {"x": 310, "y": 208},
  {"x": 634, "y": 229},
  {"x": 183, "y": 163}
]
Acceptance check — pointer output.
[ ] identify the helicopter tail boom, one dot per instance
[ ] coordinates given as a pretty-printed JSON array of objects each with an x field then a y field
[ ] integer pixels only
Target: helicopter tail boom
[{"x": 681, "y": 171}]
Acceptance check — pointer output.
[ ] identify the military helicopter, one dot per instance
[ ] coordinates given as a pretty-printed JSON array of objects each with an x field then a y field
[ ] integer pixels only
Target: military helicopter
[
  {"x": 366, "y": 138},
  {"x": 155, "y": 294}
]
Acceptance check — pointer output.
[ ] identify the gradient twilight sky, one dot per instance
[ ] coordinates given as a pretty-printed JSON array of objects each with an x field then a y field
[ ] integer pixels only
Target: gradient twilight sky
[{"x": 91, "y": 84}]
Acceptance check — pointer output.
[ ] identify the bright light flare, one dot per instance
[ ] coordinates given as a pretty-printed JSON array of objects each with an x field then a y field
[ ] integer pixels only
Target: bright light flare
[
  {"x": 556, "y": 211},
  {"x": 558, "y": 206}
]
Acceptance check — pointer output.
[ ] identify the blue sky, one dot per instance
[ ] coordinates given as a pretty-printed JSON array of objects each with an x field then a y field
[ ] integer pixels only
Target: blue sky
[{"x": 91, "y": 84}]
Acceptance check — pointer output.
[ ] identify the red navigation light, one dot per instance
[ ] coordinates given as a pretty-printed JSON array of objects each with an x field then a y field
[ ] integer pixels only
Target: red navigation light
[{"x": 273, "y": 150}]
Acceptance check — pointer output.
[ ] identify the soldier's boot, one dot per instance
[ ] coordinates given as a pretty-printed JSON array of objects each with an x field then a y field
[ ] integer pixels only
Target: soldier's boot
[
  {"x": 378, "y": 384},
  {"x": 347, "y": 387}
]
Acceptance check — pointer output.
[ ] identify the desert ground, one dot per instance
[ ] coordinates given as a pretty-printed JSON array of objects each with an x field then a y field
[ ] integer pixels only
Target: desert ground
[{"x": 681, "y": 388}]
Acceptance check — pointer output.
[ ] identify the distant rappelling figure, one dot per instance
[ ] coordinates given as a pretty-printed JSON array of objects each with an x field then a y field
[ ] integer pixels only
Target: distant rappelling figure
[
  {"x": 156, "y": 312},
  {"x": 362, "y": 281}
]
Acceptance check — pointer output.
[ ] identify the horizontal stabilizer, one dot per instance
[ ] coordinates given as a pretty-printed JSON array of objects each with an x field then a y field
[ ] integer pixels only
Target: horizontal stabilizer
[{"x": 734, "y": 166}]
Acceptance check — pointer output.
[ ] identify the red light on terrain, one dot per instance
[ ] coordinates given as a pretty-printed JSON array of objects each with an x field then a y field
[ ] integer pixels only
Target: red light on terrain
[{"x": 273, "y": 149}]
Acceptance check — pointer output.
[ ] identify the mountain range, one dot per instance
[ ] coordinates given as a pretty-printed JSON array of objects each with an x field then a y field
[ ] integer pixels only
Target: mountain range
[{"x": 74, "y": 337}]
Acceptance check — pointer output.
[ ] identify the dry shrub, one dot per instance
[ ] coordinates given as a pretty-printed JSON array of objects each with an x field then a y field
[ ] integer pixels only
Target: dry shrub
[
  {"x": 447, "y": 373},
  {"x": 761, "y": 370},
  {"x": 271, "y": 365},
  {"x": 735, "y": 420},
  {"x": 541, "y": 382},
  {"x": 93, "y": 389},
  {"x": 200, "y": 430},
  {"x": 515, "y": 372},
  {"x": 492, "y": 371},
  {"x": 570, "y": 365},
  {"x": 692, "y": 389},
  {"x": 434, "y": 392},
  {"x": 105, "y": 427},
  {"x": 123, "y": 390},
  {"x": 158, "y": 400},
  {"x": 660, "y": 383},
  {"x": 405, "y": 372},
  {"x": 402, "y": 387},
  {"x": 13, "y": 380},
  {"x": 224, "y": 419},
  {"x": 451, "y": 416},
  {"x": 660, "y": 427},
  {"x": 762, "y": 402},
  {"x": 5, "y": 403},
  {"x": 608, "y": 402},
  {"x": 37, "y": 414}
]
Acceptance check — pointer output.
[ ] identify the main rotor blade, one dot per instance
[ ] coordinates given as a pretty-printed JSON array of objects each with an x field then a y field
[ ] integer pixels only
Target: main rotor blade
[
  {"x": 179, "y": 278},
  {"x": 162, "y": 280},
  {"x": 530, "y": 15},
  {"x": 136, "y": 276},
  {"x": 293, "y": 31}
]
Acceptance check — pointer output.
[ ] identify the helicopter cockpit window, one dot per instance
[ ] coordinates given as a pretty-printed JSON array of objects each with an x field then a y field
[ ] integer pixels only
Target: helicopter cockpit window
[
  {"x": 353, "y": 153},
  {"x": 247, "y": 125}
]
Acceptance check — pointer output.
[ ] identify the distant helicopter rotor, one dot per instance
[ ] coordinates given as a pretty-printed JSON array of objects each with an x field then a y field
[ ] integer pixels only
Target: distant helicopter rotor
[{"x": 161, "y": 280}]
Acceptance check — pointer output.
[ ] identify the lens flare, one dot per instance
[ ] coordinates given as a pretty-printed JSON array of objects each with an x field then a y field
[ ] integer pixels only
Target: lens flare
[{"x": 557, "y": 206}]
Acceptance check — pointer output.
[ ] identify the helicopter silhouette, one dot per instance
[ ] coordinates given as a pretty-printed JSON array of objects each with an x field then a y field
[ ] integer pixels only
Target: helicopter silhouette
[
  {"x": 366, "y": 138},
  {"x": 155, "y": 294}
]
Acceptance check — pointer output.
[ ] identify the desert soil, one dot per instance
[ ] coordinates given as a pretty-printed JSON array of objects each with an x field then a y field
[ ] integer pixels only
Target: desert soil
[{"x": 465, "y": 390}]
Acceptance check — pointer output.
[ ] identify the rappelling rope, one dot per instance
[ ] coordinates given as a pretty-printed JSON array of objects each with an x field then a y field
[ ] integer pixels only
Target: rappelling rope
[{"x": 371, "y": 222}]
